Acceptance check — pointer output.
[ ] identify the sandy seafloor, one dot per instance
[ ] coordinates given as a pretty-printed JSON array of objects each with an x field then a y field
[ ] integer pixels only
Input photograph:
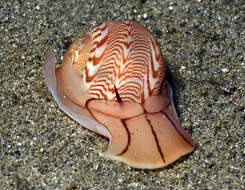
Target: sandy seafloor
[{"x": 203, "y": 43}]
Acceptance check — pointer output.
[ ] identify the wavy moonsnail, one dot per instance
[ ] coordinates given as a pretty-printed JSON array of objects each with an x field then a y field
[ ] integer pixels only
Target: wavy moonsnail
[{"x": 112, "y": 81}]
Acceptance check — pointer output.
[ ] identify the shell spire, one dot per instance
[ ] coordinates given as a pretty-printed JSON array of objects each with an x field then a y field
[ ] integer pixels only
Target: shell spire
[{"x": 112, "y": 81}]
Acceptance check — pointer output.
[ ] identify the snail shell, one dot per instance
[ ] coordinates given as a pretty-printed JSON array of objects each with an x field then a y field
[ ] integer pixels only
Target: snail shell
[{"x": 112, "y": 81}]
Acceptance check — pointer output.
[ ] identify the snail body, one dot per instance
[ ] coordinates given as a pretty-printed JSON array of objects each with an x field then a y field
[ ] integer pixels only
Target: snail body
[{"x": 112, "y": 81}]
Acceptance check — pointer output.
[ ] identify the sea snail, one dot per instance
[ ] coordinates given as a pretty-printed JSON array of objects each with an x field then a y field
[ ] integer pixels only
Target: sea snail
[{"x": 112, "y": 81}]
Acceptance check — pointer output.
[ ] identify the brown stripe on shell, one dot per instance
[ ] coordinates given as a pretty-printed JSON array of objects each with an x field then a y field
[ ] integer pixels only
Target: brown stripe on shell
[{"x": 126, "y": 52}]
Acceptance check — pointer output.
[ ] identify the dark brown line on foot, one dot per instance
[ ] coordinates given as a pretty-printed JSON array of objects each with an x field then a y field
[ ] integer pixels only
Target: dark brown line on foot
[
  {"x": 92, "y": 115},
  {"x": 156, "y": 139},
  {"x": 129, "y": 138},
  {"x": 166, "y": 115}
]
